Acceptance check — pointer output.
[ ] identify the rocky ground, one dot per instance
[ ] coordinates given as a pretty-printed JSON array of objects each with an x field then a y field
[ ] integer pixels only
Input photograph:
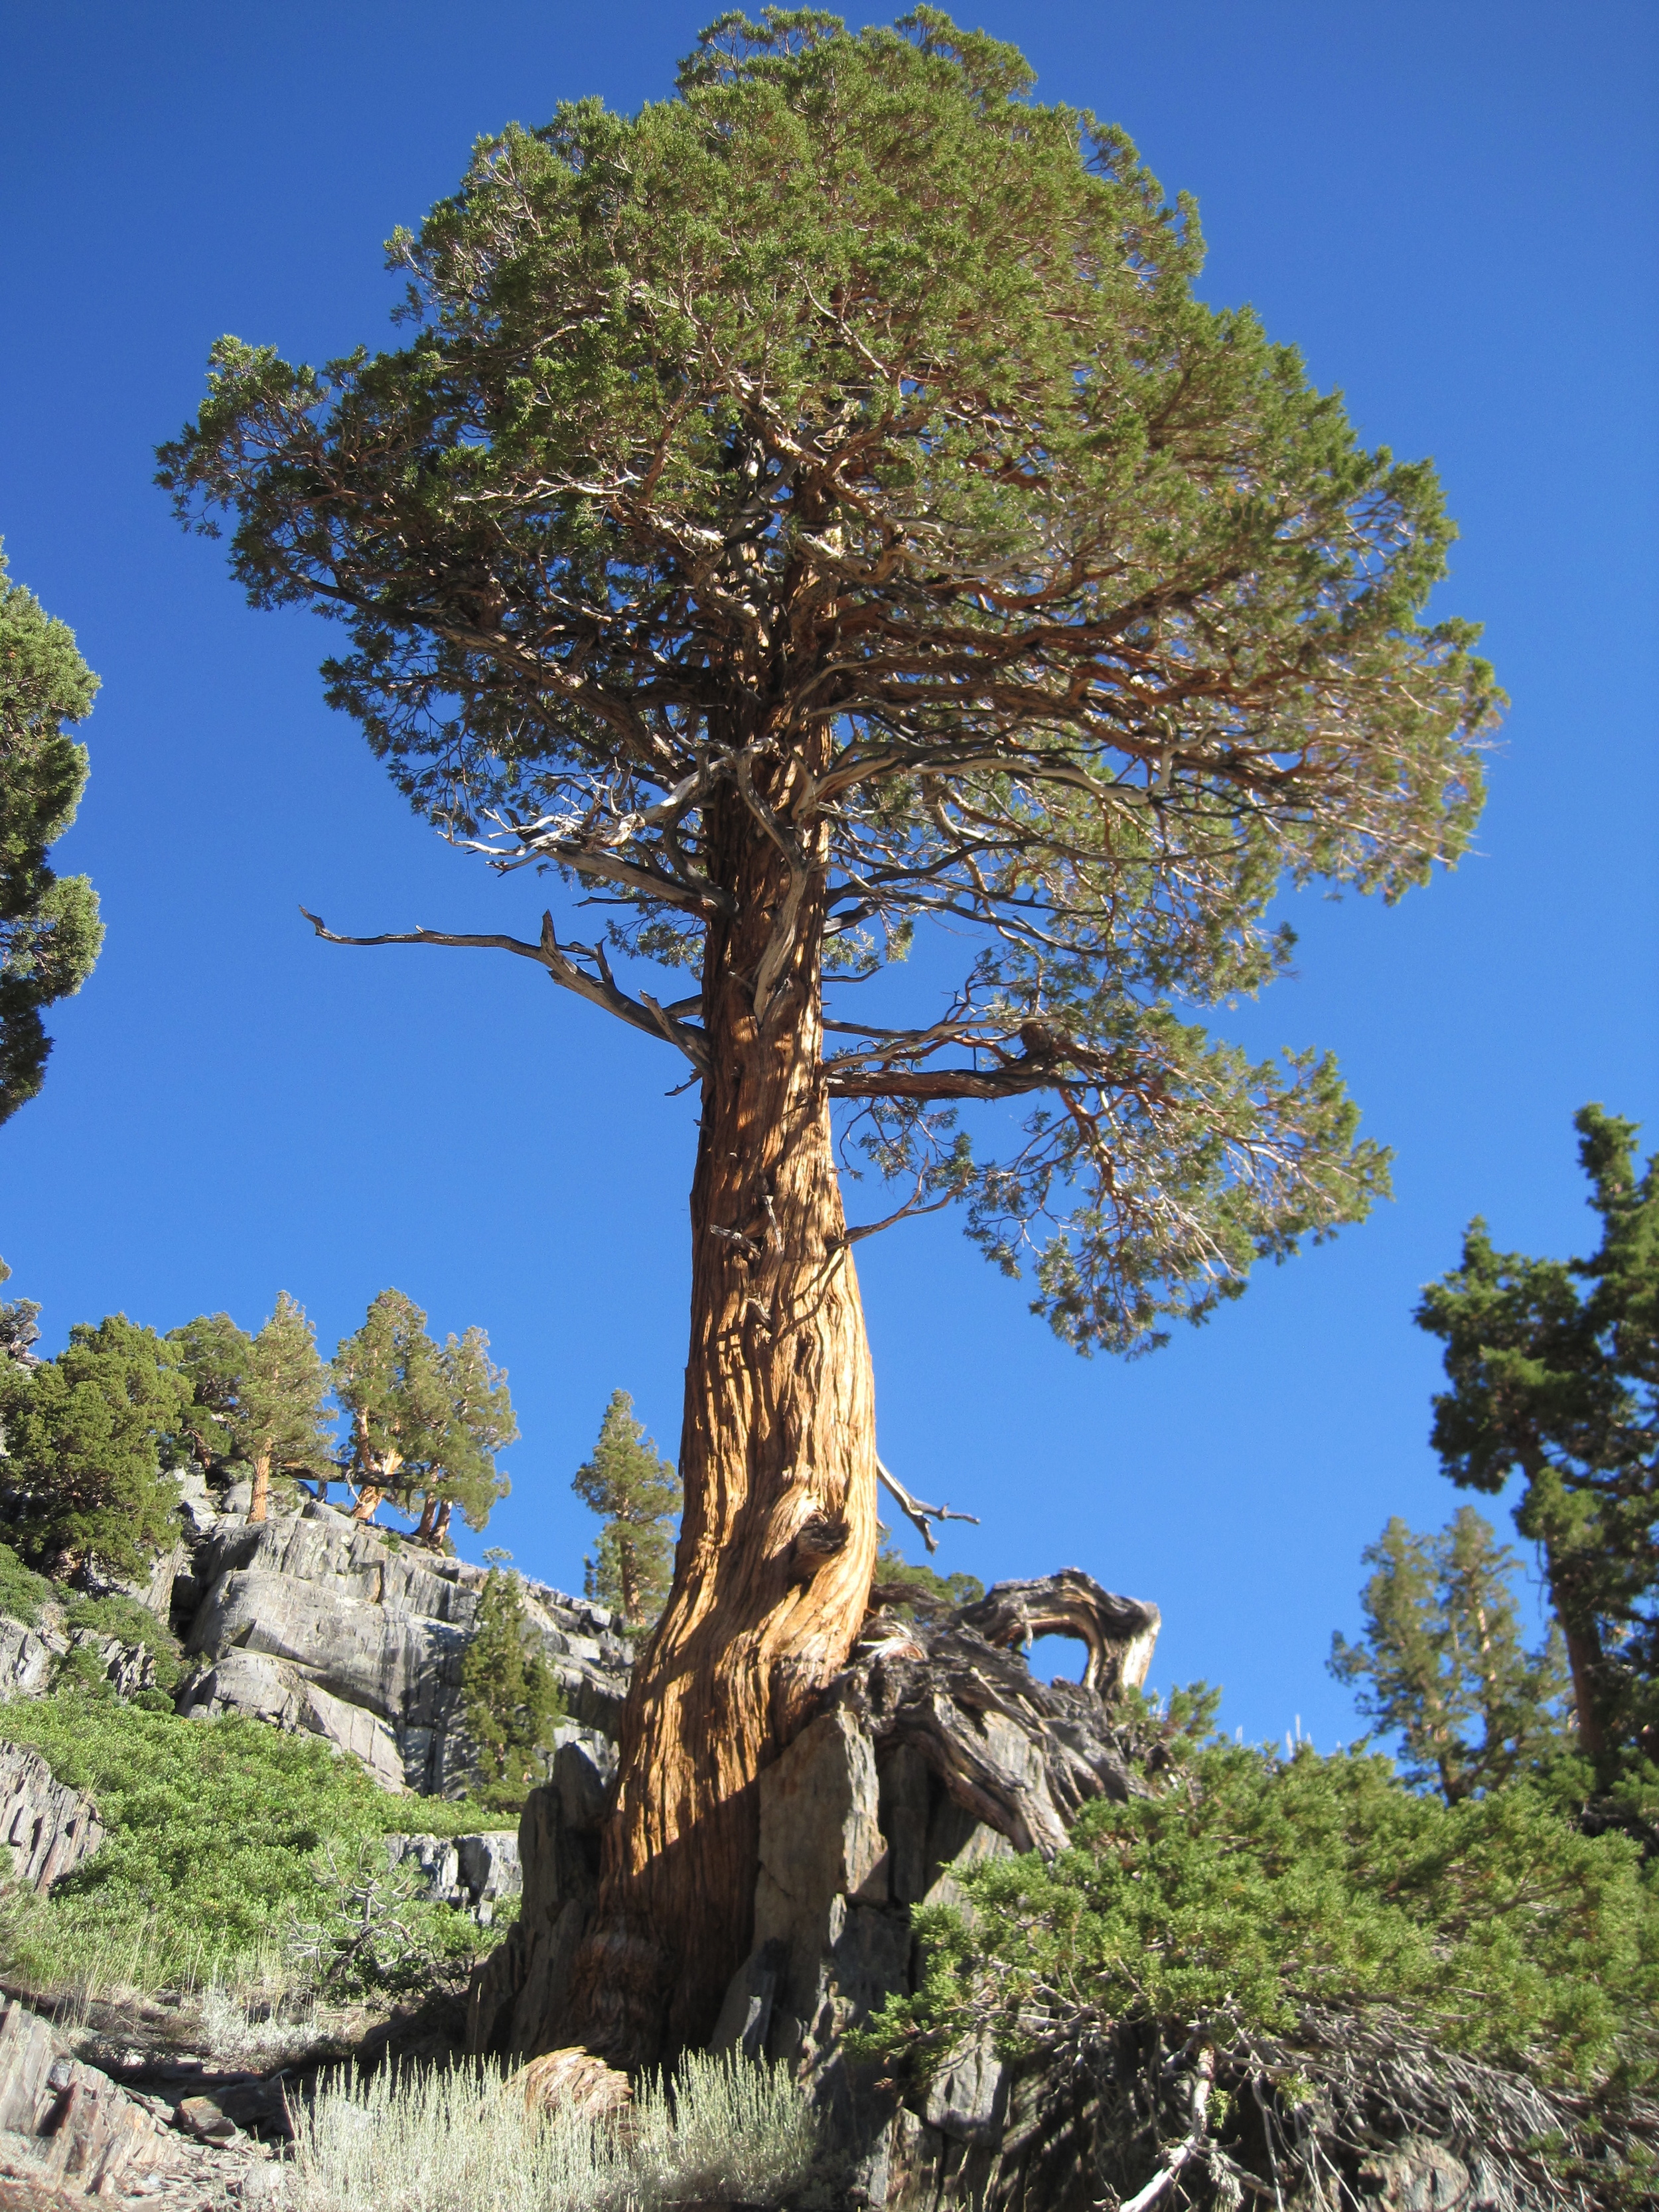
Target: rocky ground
[{"x": 182, "y": 2103}]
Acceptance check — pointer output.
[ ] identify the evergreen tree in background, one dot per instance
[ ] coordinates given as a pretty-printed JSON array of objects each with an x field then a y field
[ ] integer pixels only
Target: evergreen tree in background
[
  {"x": 212, "y": 1354},
  {"x": 479, "y": 1423},
  {"x": 84, "y": 1438},
  {"x": 510, "y": 1697},
  {"x": 1554, "y": 1366},
  {"x": 1443, "y": 1662},
  {"x": 285, "y": 1429},
  {"x": 636, "y": 1495},
  {"x": 426, "y": 1422},
  {"x": 258, "y": 1400},
  {"x": 50, "y": 933}
]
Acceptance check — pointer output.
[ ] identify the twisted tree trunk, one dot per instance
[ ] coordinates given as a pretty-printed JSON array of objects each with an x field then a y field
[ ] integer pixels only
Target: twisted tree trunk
[{"x": 777, "y": 1457}]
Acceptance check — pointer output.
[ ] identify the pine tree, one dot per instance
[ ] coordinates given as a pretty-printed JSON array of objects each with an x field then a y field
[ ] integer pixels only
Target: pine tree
[
  {"x": 1554, "y": 1366},
  {"x": 426, "y": 1422},
  {"x": 213, "y": 1354},
  {"x": 84, "y": 1436},
  {"x": 388, "y": 1379},
  {"x": 283, "y": 1421},
  {"x": 480, "y": 1424},
  {"x": 50, "y": 933},
  {"x": 1443, "y": 1657},
  {"x": 509, "y": 1694},
  {"x": 636, "y": 1495}
]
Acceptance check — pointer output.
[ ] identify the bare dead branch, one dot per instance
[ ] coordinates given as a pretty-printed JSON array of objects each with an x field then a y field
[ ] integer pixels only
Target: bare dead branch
[
  {"x": 920, "y": 1516},
  {"x": 600, "y": 990}
]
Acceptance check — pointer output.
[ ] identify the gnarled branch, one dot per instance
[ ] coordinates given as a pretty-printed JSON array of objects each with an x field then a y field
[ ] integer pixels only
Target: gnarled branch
[{"x": 600, "y": 990}]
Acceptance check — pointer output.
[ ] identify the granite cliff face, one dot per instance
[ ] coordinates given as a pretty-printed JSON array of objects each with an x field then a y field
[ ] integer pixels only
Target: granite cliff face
[
  {"x": 320, "y": 1624},
  {"x": 315, "y": 1622}
]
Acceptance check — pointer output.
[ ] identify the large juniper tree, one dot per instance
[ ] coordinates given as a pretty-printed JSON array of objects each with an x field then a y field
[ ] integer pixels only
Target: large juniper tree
[{"x": 815, "y": 508}]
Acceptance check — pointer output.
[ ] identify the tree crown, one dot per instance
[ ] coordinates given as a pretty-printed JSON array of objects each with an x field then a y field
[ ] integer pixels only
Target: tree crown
[
  {"x": 839, "y": 449},
  {"x": 1442, "y": 1661},
  {"x": 84, "y": 1436},
  {"x": 427, "y": 1422},
  {"x": 636, "y": 1494},
  {"x": 50, "y": 933}
]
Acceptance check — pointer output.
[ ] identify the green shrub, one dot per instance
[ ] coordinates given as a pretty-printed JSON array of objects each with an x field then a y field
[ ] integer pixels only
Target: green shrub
[
  {"x": 213, "y": 1830},
  {"x": 131, "y": 1622},
  {"x": 376, "y": 1935},
  {"x": 22, "y": 1593},
  {"x": 1245, "y": 1887}
]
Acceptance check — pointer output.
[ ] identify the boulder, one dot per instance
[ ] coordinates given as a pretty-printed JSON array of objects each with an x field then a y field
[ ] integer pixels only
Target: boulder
[
  {"x": 26, "y": 1660},
  {"x": 474, "y": 1873},
  {"x": 515, "y": 2005},
  {"x": 77, "y": 2126}
]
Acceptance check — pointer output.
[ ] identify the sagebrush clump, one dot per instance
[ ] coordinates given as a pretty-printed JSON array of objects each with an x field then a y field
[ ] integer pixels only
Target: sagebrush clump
[{"x": 721, "y": 2131}]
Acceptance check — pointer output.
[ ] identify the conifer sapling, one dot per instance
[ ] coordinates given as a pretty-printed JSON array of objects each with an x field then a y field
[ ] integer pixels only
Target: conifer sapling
[
  {"x": 510, "y": 1699},
  {"x": 637, "y": 1495}
]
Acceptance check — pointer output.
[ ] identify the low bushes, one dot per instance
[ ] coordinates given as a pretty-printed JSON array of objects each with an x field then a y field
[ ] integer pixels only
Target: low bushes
[
  {"x": 1244, "y": 1887},
  {"x": 215, "y": 1831}
]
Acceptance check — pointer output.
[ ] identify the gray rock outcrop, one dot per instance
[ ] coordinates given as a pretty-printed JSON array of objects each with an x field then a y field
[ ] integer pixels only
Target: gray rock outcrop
[
  {"x": 316, "y": 1622},
  {"x": 515, "y": 1992},
  {"x": 48, "y": 1827},
  {"x": 474, "y": 1873},
  {"x": 73, "y": 2124},
  {"x": 26, "y": 1660}
]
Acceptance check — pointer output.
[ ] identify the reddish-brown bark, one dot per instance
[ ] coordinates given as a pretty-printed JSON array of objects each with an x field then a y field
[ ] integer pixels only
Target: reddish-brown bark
[{"x": 777, "y": 1457}]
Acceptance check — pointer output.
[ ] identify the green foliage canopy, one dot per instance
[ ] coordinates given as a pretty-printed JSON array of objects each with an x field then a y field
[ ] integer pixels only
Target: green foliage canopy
[
  {"x": 427, "y": 1422},
  {"x": 1242, "y": 1887},
  {"x": 50, "y": 933},
  {"x": 212, "y": 1827},
  {"x": 212, "y": 1352},
  {"x": 834, "y": 460},
  {"x": 85, "y": 1434}
]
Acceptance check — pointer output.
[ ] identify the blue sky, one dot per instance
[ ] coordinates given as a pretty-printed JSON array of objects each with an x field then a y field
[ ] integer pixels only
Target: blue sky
[{"x": 1451, "y": 210}]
